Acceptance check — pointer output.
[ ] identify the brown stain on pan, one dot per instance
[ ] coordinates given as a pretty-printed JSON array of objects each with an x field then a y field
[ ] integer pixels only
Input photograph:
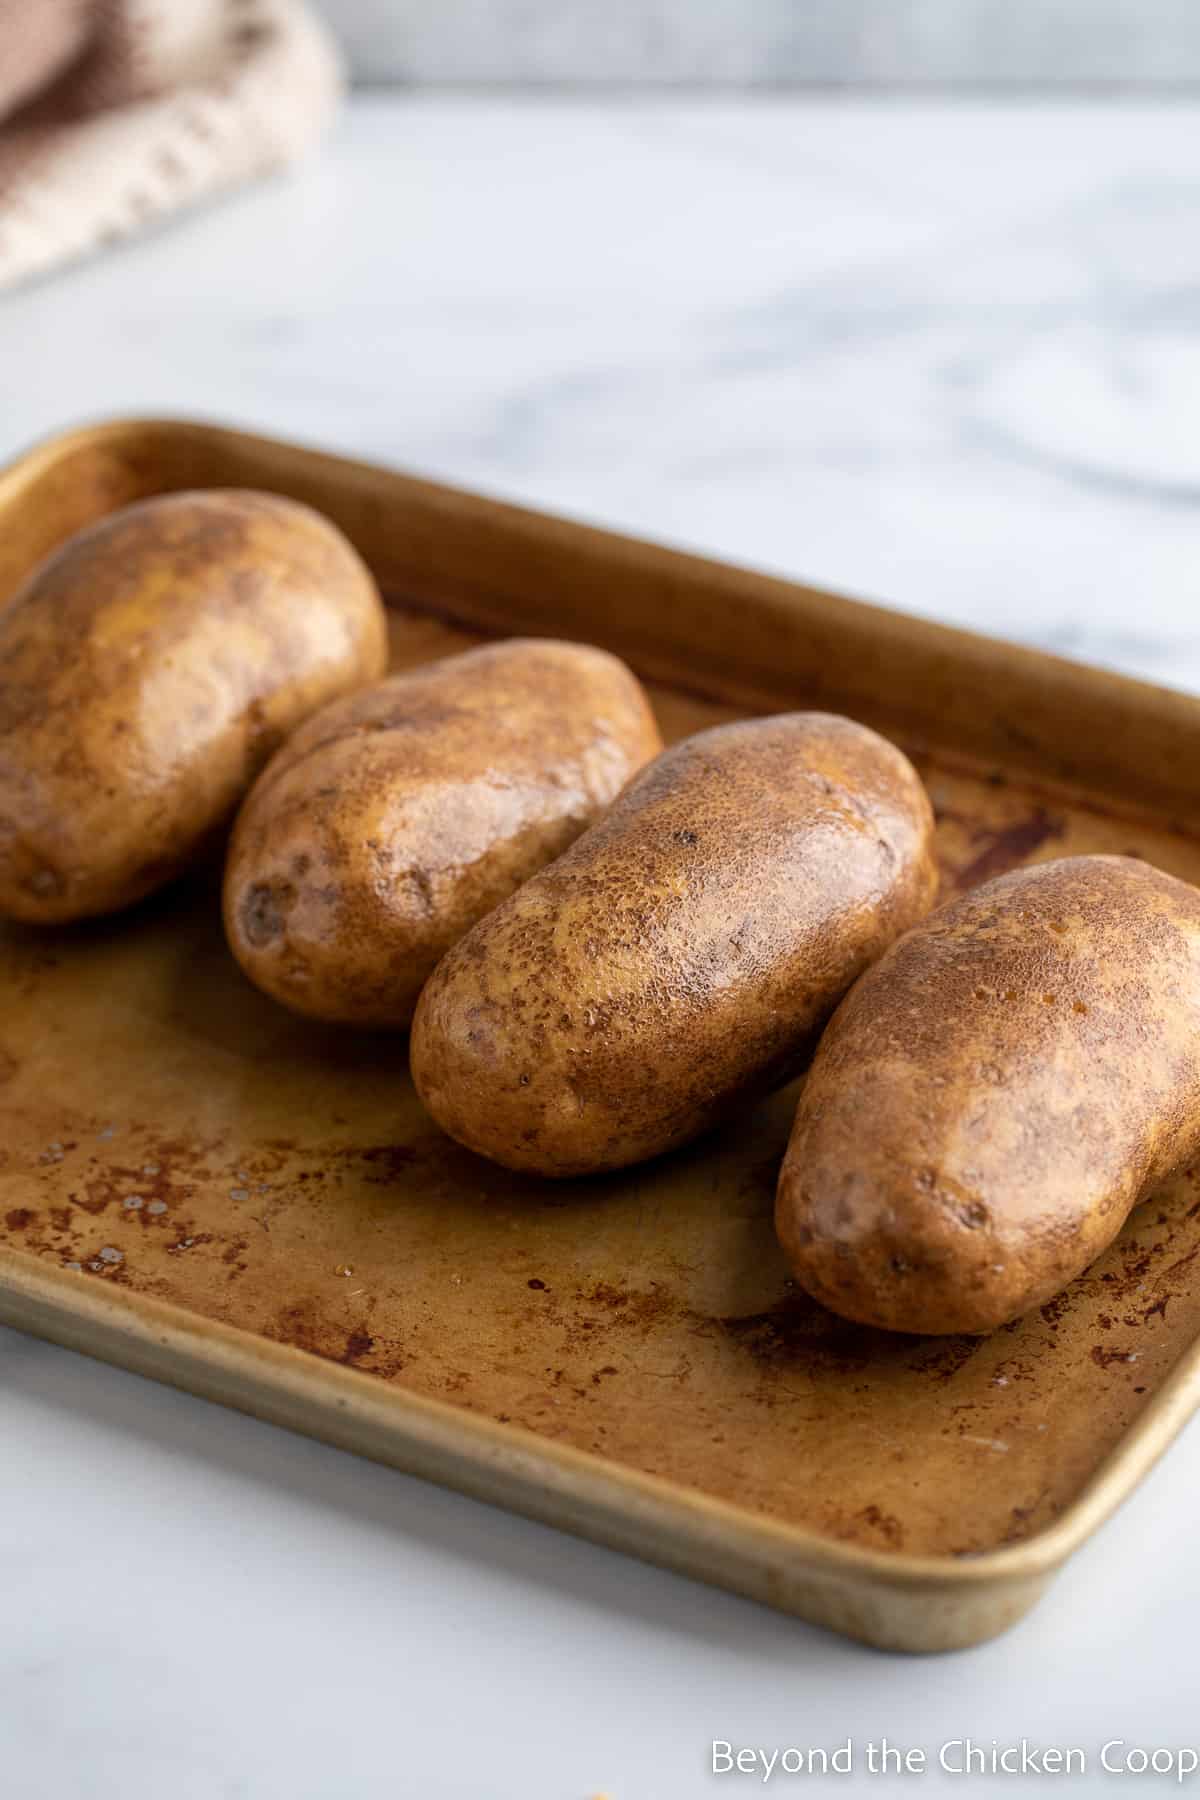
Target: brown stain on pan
[{"x": 1008, "y": 845}]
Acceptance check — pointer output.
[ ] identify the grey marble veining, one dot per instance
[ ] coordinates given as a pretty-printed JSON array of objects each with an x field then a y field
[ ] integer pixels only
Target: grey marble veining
[
  {"x": 730, "y": 43},
  {"x": 947, "y": 357}
]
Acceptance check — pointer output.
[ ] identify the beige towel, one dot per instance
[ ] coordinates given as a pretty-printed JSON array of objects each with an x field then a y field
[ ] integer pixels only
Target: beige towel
[{"x": 115, "y": 114}]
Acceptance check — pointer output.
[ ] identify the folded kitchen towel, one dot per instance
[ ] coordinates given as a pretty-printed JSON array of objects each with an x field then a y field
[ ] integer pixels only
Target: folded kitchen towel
[{"x": 114, "y": 114}]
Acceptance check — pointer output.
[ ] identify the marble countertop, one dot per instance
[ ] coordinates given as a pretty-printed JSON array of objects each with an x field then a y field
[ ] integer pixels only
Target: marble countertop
[{"x": 942, "y": 355}]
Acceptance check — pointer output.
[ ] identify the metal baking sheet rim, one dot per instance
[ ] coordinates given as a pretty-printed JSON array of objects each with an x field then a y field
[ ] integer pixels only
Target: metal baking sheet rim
[{"x": 891, "y": 1601}]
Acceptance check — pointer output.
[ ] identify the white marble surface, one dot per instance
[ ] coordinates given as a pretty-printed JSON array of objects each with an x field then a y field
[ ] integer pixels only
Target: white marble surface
[{"x": 946, "y": 356}]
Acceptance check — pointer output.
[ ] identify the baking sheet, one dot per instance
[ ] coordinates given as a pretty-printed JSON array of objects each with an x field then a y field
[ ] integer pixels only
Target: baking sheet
[{"x": 198, "y": 1184}]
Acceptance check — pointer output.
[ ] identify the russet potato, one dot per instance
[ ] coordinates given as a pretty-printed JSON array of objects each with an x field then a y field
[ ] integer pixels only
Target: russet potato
[
  {"x": 148, "y": 669},
  {"x": 683, "y": 955},
  {"x": 395, "y": 819},
  {"x": 995, "y": 1095}
]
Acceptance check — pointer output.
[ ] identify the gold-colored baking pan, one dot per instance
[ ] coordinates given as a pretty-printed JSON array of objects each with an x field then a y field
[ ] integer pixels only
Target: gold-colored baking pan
[{"x": 197, "y": 1185}]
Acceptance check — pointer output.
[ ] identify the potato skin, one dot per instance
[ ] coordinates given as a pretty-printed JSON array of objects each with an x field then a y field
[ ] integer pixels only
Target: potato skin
[
  {"x": 683, "y": 954},
  {"x": 995, "y": 1095},
  {"x": 148, "y": 668},
  {"x": 395, "y": 819}
]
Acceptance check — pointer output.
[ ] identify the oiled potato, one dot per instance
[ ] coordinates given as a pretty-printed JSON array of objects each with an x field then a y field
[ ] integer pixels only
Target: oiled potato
[
  {"x": 995, "y": 1095},
  {"x": 395, "y": 819},
  {"x": 148, "y": 669},
  {"x": 683, "y": 954}
]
